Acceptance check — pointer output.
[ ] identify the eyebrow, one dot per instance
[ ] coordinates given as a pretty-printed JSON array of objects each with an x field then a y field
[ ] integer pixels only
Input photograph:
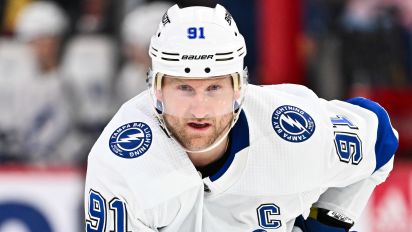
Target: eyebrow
[
  {"x": 180, "y": 80},
  {"x": 199, "y": 78},
  {"x": 183, "y": 81}
]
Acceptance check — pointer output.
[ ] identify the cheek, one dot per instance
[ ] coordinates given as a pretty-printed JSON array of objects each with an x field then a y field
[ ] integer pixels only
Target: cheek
[
  {"x": 223, "y": 121},
  {"x": 159, "y": 95},
  {"x": 173, "y": 105},
  {"x": 175, "y": 108},
  {"x": 167, "y": 97},
  {"x": 174, "y": 123},
  {"x": 223, "y": 106},
  {"x": 237, "y": 95}
]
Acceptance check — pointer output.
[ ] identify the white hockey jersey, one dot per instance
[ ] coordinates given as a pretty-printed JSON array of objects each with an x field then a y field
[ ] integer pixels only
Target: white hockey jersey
[{"x": 289, "y": 150}]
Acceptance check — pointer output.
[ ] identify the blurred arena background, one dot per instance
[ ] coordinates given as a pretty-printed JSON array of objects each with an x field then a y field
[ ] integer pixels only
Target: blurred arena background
[{"x": 66, "y": 66}]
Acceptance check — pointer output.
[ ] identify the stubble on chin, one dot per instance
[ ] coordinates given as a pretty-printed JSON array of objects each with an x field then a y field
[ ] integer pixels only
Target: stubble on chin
[{"x": 197, "y": 141}]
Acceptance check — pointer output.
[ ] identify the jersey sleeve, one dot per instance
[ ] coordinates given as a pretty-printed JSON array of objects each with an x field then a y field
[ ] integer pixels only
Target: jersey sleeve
[
  {"x": 386, "y": 141},
  {"x": 361, "y": 157}
]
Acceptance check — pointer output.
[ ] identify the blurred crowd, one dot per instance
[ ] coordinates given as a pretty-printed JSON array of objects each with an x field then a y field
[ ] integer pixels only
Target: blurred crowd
[
  {"x": 363, "y": 48},
  {"x": 355, "y": 46},
  {"x": 67, "y": 66},
  {"x": 61, "y": 80}
]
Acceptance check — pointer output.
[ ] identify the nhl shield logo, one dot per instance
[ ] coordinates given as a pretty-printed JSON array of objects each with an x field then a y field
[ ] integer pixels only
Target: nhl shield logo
[
  {"x": 292, "y": 123},
  {"x": 131, "y": 140}
]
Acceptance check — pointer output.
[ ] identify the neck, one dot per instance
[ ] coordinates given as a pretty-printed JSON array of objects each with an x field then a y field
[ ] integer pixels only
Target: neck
[{"x": 201, "y": 159}]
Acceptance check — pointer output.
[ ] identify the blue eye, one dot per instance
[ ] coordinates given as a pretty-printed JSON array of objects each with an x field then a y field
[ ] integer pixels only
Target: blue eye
[
  {"x": 185, "y": 88},
  {"x": 214, "y": 88}
]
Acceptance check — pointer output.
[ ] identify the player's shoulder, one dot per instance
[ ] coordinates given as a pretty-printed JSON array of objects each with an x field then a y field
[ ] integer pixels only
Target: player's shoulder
[
  {"x": 270, "y": 97},
  {"x": 134, "y": 151},
  {"x": 287, "y": 89},
  {"x": 294, "y": 112},
  {"x": 287, "y": 119},
  {"x": 131, "y": 125},
  {"x": 134, "y": 134},
  {"x": 303, "y": 129}
]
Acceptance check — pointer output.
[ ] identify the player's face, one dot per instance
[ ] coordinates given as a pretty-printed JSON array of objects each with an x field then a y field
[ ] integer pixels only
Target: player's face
[{"x": 197, "y": 112}]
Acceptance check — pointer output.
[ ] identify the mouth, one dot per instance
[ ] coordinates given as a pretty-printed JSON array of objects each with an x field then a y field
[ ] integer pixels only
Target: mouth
[{"x": 198, "y": 125}]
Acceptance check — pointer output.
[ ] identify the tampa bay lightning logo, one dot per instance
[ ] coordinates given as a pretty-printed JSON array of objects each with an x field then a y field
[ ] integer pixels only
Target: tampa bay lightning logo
[
  {"x": 131, "y": 140},
  {"x": 292, "y": 124}
]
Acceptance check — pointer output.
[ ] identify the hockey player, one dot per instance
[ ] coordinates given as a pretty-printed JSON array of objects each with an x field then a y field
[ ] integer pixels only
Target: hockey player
[
  {"x": 40, "y": 113},
  {"x": 132, "y": 77},
  {"x": 217, "y": 154}
]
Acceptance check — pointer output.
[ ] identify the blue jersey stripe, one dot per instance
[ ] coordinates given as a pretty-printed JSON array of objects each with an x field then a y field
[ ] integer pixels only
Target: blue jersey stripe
[
  {"x": 239, "y": 139},
  {"x": 386, "y": 142}
]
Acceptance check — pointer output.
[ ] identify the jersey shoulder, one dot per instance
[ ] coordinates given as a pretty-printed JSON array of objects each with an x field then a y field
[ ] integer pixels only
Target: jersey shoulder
[
  {"x": 310, "y": 134},
  {"x": 135, "y": 155},
  {"x": 131, "y": 132},
  {"x": 287, "y": 130},
  {"x": 292, "y": 112},
  {"x": 293, "y": 89}
]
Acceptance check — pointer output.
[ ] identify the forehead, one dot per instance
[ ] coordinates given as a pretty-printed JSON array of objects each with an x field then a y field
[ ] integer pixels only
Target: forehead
[{"x": 167, "y": 79}]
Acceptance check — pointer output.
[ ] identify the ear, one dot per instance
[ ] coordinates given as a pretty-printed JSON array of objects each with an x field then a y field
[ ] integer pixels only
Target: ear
[
  {"x": 159, "y": 95},
  {"x": 236, "y": 95}
]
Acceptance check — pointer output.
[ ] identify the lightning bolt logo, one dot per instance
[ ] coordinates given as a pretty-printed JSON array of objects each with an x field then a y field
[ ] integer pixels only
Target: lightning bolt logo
[
  {"x": 292, "y": 122},
  {"x": 131, "y": 140},
  {"x": 132, "y": 137}
]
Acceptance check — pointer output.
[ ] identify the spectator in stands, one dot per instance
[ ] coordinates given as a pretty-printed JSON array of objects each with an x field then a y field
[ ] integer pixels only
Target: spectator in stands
[
  {"x": 360, "y": 45},
  {"x": 138, "y": 26},
  {"x": 16, "y": 71},
  {"x": 42, "y": 24},
  {"x": 373, "y": 50},
  {"x": 88, "y": 70},
  {"x": 42, "y": 116}
]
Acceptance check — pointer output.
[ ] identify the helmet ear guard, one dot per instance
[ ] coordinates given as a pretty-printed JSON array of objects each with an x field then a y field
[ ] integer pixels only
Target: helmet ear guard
[
  {"x": 154, "y": 84},
  {"x": 240, "y": 80}
]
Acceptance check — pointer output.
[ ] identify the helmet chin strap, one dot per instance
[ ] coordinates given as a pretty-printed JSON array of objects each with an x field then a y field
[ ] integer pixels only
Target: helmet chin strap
[
  {"x": 212, "y": 146},
  {"x": 236, "y": 113}
]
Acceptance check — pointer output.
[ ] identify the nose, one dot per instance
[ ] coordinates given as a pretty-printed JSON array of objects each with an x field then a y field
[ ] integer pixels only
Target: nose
[{"x": 200, "y": 106}]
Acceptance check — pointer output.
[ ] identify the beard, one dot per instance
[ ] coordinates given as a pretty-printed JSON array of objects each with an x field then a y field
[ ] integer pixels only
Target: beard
[{"x": 193, "y": 140}]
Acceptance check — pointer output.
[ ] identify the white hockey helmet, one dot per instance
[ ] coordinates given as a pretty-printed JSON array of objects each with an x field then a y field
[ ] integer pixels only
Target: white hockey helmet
[
  {"x": 42, "y": 18},
  {"x": 198, "y": 43}
]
